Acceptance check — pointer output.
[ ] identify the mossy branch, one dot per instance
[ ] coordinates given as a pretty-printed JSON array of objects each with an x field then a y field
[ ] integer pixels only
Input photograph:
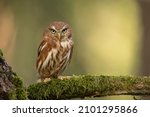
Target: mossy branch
[{"x": 82, "y": 86}]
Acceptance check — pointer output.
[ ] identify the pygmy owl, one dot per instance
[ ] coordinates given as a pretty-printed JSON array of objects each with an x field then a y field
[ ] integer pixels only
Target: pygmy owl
[{"x": 55, "y": 50}]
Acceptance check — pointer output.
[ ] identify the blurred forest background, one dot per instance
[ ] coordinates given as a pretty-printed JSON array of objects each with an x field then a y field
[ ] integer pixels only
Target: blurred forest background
[{"x": 112, "y": 37}]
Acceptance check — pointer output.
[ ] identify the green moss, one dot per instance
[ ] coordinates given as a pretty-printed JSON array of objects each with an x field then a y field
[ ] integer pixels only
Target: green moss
[
  {"x": 21, "y": 94},
  {"x": 82, "y": 86},
  {"x": 17, "y": 81},
  {"x": 20, "y": 90},
  {"x": 12, "y": 95}
]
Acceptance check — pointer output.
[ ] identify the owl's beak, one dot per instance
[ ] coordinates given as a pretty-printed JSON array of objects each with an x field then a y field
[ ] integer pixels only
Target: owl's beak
[{"x": 59, "y": 35}]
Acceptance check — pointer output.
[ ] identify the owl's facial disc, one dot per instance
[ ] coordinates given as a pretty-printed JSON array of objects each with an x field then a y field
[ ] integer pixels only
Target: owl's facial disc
[{"x": 59, "y": 32}]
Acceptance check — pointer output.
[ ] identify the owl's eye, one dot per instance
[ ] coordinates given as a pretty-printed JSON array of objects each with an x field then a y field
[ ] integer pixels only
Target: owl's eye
[
  {"x": 64, "y": 30},
  {"x": 53, "y": 31}
]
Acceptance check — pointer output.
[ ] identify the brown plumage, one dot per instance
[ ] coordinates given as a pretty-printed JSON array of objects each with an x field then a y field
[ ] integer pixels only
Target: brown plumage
[{"x": 55, "y": 50}]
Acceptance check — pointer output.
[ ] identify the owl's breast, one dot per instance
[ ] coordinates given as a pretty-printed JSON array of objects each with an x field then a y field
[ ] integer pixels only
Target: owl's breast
[{"x": 66, "y": 44}]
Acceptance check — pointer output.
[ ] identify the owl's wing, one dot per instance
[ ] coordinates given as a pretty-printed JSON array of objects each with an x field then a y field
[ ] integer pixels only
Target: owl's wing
[
  {"x": 45, "y": 59},
  {"x": 71, "y": 51},
  {"x": 41, "y": 46},
  {"x": 42, "y": 53}
]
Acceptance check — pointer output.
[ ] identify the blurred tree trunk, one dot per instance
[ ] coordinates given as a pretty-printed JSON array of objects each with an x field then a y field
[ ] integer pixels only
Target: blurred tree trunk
[{"x": 145, "y": 54}]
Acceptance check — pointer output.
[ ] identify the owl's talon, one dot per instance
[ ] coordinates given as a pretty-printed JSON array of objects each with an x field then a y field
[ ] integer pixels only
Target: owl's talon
[
  {"x": 47, "y": 80},
  {"x": 64, "y": 77},
  {"x": 43, "y": 80}
]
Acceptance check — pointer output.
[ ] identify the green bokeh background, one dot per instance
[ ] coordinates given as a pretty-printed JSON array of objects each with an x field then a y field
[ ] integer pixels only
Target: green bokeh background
[{"x": 107, "y": 34}]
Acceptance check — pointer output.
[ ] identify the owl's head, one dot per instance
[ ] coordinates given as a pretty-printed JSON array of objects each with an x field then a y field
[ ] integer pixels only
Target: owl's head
[{"x": 59, "y": 30}]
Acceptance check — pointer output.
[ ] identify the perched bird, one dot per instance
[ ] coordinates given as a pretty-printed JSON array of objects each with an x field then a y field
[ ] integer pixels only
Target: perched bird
[{"x": 55, "y": 50}]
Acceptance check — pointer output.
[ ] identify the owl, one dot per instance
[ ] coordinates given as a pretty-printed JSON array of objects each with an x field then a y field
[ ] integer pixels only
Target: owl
[{"x": 55, "y": 50}]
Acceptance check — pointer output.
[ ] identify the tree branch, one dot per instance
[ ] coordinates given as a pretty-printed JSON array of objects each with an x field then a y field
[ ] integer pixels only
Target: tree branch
[{"x": 82, "y": 86}]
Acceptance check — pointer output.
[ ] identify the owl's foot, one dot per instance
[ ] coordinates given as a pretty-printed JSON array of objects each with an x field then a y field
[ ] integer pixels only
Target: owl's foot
[
  {"x": 46, "y": 79},
  {"x": 64, "y": 77}
]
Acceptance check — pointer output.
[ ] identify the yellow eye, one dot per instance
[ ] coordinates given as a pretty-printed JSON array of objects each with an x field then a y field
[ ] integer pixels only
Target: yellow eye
[
  {"x": 53, "y": 31},
  {"x": 64, "y": 30}
]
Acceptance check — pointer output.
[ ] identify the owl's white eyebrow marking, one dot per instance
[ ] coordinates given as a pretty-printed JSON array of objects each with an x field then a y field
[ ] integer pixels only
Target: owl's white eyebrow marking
[
  {"x": 53, "y": 27},
  {"x": 64, "y": 27}
]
